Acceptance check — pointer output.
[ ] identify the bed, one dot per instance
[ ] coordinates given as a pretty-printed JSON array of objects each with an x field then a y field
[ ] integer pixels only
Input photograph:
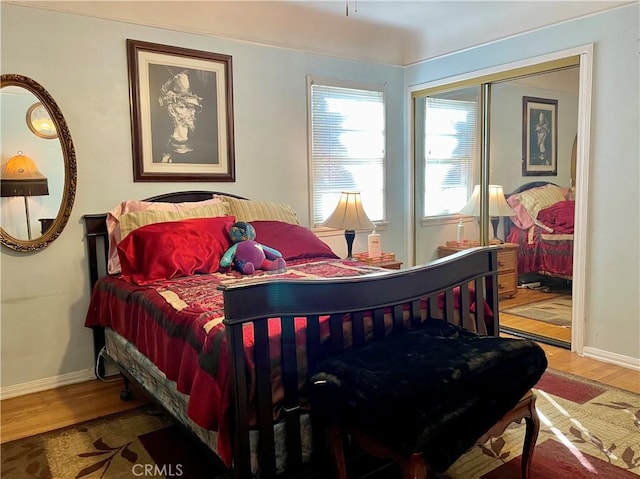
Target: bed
[
  {"x": 543, "y": 228},
  {"x": 228, "y": 355}
]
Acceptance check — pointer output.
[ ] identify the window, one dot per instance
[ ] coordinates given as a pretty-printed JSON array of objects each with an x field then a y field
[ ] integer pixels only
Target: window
[
  {"x": 450, "y": 133},
  {"x": 347, "y": 147}
]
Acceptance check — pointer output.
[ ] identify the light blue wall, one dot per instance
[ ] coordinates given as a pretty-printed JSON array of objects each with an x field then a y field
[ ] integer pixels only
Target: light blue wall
[
  {"x": 83, "y": 65},
  {"x": 612, "y": 307},
  {"x": 506, "y": 134}
]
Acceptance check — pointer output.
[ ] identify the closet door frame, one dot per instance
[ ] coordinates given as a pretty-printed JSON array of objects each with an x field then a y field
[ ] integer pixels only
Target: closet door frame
[{"x": 581, "y": 56}]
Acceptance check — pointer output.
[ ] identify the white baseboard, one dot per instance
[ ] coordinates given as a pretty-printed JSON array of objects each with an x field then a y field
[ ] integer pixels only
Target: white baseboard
[
  {"x": 613, "y": 358},
  {"x": 47, "y": 383}
]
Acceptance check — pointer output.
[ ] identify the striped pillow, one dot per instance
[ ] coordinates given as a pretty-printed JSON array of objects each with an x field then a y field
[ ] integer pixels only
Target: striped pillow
[
  {"x": 537, "y": 199},
  {"x": 249, "y": 210},
  {"x": 134, "y": 220}
]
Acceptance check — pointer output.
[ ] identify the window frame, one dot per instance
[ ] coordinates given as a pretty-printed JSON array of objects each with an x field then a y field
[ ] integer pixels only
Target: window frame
[
  {"x": 379, "y": 88},
  {"x": 472, "y": 162}
]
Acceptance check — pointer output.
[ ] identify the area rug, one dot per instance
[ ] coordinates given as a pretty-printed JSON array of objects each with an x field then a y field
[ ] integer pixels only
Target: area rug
[
  {"x": 587, "y": 430},
  {"x": 141, "y": 442},
  {"x": 556, "y": 310}
]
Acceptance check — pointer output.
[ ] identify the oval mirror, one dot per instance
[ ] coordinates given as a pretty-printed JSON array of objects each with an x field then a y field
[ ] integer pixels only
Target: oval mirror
[{"x": 38, "y": 180}]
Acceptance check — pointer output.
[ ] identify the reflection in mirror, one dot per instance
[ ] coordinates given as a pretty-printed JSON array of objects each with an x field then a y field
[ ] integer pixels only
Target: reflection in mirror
[
  {"x": 21, "y": 177},
  {"x": 40, "y": 123},
  {"x": 38, "y": 175}
]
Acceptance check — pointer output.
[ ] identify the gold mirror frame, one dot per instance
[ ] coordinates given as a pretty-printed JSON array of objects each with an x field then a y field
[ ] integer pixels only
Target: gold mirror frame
[
  {"x": 70, "y": 169},
  {"x": 34, "y": 127}
]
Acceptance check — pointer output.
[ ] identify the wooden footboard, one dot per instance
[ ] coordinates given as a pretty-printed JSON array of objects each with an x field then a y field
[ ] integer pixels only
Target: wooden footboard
[{"x": 387, "y": 302}]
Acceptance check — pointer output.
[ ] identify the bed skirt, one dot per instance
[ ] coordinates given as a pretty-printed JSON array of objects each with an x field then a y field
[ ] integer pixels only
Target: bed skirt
[{"x": 164, "y": 391}]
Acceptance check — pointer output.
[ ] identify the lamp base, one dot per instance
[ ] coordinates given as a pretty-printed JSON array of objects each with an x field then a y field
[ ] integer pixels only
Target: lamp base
[
  {"x": 495, "y": 221},
  {"x": 349, "y": 236},
  {"x": 26, "y": 211}
]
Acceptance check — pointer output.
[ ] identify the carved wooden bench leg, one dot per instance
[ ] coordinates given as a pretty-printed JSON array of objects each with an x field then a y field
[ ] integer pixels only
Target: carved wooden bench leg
[
  {"x": 414, "y": 467},
  {"x": 525, "y": 409},
  {"x": 336, "y": 445},
  {"x": 530, "y": 438}
]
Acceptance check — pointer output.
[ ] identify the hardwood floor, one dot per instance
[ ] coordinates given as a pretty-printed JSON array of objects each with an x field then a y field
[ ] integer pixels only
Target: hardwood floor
[
  {"x": 560, "y": 358},
  {"x": 44, "y": 411},
  {"x": 539, "y": 328},
  {"x": 563, "y": 359}
]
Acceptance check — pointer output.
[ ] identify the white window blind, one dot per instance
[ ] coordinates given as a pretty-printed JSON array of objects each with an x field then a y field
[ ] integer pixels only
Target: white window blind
[
  {"x": 451, "y": 132},
  {"x": 347, "y": 148}
]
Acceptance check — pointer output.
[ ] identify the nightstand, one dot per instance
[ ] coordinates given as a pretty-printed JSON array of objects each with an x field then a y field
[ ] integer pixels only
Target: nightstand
[
  {"x": 507, "y": 267},
  {"x": 386, "y": 261},
  {"x": 388, "y": 264}
]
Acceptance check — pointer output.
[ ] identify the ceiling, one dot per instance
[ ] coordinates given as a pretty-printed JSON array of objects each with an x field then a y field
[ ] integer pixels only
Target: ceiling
[{"x": 395, "y": 32}]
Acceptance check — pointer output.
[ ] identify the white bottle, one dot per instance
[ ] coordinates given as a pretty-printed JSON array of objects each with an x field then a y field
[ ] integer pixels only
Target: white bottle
[
  {"x": 460, "y": 233},
  {"x": 375, "y": 246}
]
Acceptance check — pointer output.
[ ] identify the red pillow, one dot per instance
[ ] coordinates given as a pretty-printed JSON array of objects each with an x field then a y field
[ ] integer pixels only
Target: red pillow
[
  {"x": 293, "y": 241},
  {"x": 175, "y": 248}
]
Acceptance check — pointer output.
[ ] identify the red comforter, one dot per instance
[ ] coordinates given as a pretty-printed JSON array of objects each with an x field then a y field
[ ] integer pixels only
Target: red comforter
[
  {"x": 549, "y": 250},
  {"x": 559, "y": 217}
]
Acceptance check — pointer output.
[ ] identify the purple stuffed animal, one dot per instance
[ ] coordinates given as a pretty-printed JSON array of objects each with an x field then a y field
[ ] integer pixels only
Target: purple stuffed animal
[{"x": 248, "y": 255}]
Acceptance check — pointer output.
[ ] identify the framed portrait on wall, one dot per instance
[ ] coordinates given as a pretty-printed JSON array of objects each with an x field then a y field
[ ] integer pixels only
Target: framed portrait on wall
[
  {"x": 181, "y": 113},
  {"x": 539, "y": 137}
]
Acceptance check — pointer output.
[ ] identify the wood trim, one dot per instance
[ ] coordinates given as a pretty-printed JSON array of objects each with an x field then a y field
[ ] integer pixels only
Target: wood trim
[
  {"x": 510, "y": 74},
  {"x": 581, "y": 233}
]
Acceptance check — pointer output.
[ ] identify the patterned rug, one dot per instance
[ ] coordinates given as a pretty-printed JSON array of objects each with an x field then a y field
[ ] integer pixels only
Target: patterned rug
[
  {"x": 138, "y": 443},
  {"x": 556, "y": 311},
  {"x": 588, "y": 430}
]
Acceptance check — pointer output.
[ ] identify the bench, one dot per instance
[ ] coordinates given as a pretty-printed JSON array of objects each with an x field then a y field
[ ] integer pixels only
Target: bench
[{"x": 426, "y": 396}]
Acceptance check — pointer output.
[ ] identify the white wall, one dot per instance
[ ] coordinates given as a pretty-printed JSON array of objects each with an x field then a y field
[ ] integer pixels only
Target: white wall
[
  {"x": 612, "y": 306},
  {"x": 83, "y": 65}
]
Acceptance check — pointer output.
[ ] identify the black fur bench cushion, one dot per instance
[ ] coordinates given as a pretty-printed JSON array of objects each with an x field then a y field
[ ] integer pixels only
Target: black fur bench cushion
[{"x": 435, "y": 390}]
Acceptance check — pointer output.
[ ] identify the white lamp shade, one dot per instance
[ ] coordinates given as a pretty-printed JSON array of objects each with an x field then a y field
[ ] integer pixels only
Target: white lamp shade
[
  {"x": 472, "y": 208},
  {"x": 349, "y": 214},
  {"x": 498, "y": 205}
]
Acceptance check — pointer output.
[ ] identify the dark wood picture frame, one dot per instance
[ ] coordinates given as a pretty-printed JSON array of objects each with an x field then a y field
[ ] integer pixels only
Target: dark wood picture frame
[
  {"x": 181, "y": 113},
  {"x": 539, "y": 137}
]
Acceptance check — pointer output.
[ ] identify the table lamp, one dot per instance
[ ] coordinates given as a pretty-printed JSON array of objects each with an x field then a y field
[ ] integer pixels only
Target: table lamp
[
  {"x": 498, "y": 207},
  {"x": 21, "y": 177},
  {"x": 349, "y": 215}
]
